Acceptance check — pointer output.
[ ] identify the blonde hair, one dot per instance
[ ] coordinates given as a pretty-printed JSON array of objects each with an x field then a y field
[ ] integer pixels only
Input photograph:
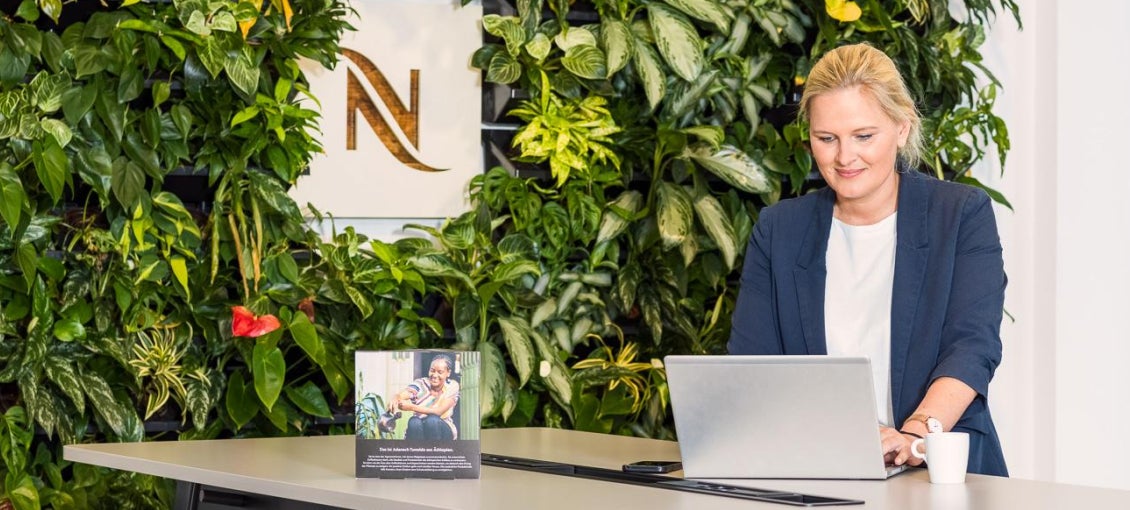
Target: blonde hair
[{"x": 869, "y": 68}]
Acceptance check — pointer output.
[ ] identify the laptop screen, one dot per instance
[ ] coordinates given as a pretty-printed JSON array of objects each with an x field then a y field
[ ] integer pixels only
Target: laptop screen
[{"x": 775, "y": 417}]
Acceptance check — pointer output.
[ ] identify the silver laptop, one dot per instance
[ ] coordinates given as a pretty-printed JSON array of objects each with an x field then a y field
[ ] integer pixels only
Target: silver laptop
[{"x": 776, "y": 417}]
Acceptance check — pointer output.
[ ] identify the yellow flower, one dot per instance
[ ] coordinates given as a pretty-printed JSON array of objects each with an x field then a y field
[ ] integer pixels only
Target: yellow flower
[{"x": 843, "y": 10}]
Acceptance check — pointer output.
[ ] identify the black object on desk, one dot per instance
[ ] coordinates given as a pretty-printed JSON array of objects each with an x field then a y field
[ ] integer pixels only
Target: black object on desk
[{"x": 665, "y": 482}]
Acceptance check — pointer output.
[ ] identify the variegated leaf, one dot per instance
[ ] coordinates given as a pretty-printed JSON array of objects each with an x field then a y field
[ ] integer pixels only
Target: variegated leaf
[
  {"x": 674, "y": 213},
  {"x": 544, "y": 311},
  {"x": 734, "y": 166},
  {"x": 618, "y": 215},
  {"x": 492, "y": 387},
  {"x": 586, "y": 61},
  {"x": 65, "y": 377},
  {"x": 574, "y": 36},
  {"x": 717, "y": 223},
  {"x": 617, "y": 39},
  {"x": 516, "y": 334},
  {"x": 557, "y": 378},
  {"x": 710, "y": 11},
  {"x": 678, "y": 41},
  {"x": 539, "y": 46},
  {"x": 688, "y": 249},
  {"x": 651, "y": 74},
  {"x": 120, "y": 418},
  {"x": 439, "y": 265},
  {"x": 514, "y": 269},
  {"x": 503, "y": 69}
]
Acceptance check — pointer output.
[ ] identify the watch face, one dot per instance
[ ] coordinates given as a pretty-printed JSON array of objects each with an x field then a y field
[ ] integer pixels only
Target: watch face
[{"x": 933, "y": 425}]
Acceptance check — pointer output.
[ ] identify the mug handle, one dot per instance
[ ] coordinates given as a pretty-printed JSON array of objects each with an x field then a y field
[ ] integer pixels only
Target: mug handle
[{"x": 914, "y": 449}]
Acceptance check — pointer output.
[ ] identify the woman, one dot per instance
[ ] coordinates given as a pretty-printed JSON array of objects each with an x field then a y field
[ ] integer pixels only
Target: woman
[
  {"x": 885, "y": 262},
  {"x": 432, "y": 399}
]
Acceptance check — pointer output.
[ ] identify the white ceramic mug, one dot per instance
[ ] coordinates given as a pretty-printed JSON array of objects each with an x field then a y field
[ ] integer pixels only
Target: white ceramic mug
[{"x": 947, "y": 455}]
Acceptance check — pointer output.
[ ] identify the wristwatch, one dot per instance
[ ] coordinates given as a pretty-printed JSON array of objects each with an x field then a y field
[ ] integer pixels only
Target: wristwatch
[{"x": 932, "y": 423}]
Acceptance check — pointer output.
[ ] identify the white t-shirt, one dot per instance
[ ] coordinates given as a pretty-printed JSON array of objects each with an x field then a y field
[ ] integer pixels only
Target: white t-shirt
[{"x": 857, "y": 299}]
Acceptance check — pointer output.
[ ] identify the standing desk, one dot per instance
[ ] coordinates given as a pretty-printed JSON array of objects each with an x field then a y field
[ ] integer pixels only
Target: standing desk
[{"x": 319, "y": 470}]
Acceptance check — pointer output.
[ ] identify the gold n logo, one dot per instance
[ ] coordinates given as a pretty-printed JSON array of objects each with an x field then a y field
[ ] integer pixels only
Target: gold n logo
[{"x": 406, "y": 118}]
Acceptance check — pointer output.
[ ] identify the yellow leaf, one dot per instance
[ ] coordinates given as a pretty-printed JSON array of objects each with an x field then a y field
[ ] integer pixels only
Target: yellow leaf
[
  {"x": 843, "y": 10},
  {"x": 284, "y": 6},
  {"x": 180, "y": 271},
  {"x": 245, "y": 26}
]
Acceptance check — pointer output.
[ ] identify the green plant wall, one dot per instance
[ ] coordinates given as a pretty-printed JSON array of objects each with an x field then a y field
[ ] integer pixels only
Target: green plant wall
[
  {"x": 677, "y": 119},
  {"x": 128, "y": 312}
]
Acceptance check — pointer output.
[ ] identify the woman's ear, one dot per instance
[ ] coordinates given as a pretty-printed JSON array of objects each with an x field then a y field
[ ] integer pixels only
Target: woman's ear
[{"x": 904, "y": 133}]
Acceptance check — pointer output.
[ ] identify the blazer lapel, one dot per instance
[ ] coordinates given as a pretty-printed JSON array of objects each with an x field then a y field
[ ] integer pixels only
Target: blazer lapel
[
  {"x": 811, "y": 273},
  {"x": 910, "y": 273}
]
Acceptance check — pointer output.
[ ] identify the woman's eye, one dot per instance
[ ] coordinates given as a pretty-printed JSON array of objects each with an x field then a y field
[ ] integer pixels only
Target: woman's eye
[
  {"x": 826, "y": 139},
  {"x": 864, "y": 138}
]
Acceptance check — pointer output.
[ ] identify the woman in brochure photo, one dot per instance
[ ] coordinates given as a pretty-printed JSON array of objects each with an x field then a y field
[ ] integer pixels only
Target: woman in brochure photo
[
  {"x": 432, "y": 401},
  {"x": 886, "y": 262}
]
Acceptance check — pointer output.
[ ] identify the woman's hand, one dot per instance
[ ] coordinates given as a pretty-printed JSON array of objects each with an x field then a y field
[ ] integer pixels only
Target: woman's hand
[{"x": 896, "y": 447}]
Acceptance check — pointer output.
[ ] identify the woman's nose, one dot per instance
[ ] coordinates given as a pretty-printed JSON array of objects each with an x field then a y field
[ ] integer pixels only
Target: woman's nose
[{"x": 844, "y": 155}]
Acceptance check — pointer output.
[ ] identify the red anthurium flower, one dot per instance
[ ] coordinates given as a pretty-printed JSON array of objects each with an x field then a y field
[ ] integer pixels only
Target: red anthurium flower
[{"x": 245, "y": 323}]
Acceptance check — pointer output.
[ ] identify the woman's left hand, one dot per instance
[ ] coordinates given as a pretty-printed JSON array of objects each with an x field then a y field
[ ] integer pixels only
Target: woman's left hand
[{"x": 896, "y": 447}]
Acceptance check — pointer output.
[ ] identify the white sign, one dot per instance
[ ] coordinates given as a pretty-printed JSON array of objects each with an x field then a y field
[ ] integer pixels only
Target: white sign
[{"x": 400, "y": 114}]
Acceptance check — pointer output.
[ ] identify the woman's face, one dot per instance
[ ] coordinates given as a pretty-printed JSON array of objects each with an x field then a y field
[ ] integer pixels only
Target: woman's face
[
  {"x": 438, "y": 374},
  {"x": 855, "y": 144}
]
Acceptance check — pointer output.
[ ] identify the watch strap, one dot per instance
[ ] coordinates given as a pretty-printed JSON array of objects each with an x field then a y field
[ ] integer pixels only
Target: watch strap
[{"x": 932, "y": 424}]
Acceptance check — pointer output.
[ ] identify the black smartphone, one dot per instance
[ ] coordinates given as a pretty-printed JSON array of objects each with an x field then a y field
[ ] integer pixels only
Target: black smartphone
[{"x": 653, "y": 466}]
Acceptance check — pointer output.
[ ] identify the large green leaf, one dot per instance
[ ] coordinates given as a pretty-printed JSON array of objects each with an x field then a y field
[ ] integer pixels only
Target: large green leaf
[
  {"x": 717, "y": 223},
  {"x": 309, "y": 399},
  {"x": 269, "y": 371},
  {"x": 651, "y": 74},
  {"x": 21, "y": 489},
  {"x": 674, "y": 213},
  {"x": 127, "y": 181},
  {"x": 710, "y": 11},
  {"x": 52, "y": 167},
  {"x": 240, "y": 401},
  {"x": 734, "y": 166},
  {"x": 94, "y": 168},
  {"x": 492, "y": 386},
  {"x": 69, "y": 330},
  {"x": 617, "y": 39},
  {"x": 586, "y": 61},
  {"x": 12, "y": 196},
  {"x": 516, "y": 333},
  {"x": 130, "y": 85},
  {"x": 306, "y": 336},
  {"x": 465, "y": 311},
  {"x": 678, "y": 41}
]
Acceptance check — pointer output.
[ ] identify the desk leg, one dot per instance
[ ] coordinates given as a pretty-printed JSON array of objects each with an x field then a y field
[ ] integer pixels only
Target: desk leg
[{"x": 188, "y": 496}]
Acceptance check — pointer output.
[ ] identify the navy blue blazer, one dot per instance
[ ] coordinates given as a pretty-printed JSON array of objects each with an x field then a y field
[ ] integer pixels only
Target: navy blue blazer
[{"x": 946, "y": 306}]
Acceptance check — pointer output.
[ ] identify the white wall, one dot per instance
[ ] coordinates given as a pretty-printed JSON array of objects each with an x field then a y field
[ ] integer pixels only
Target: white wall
[{"x": 1061, "y": 396}]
